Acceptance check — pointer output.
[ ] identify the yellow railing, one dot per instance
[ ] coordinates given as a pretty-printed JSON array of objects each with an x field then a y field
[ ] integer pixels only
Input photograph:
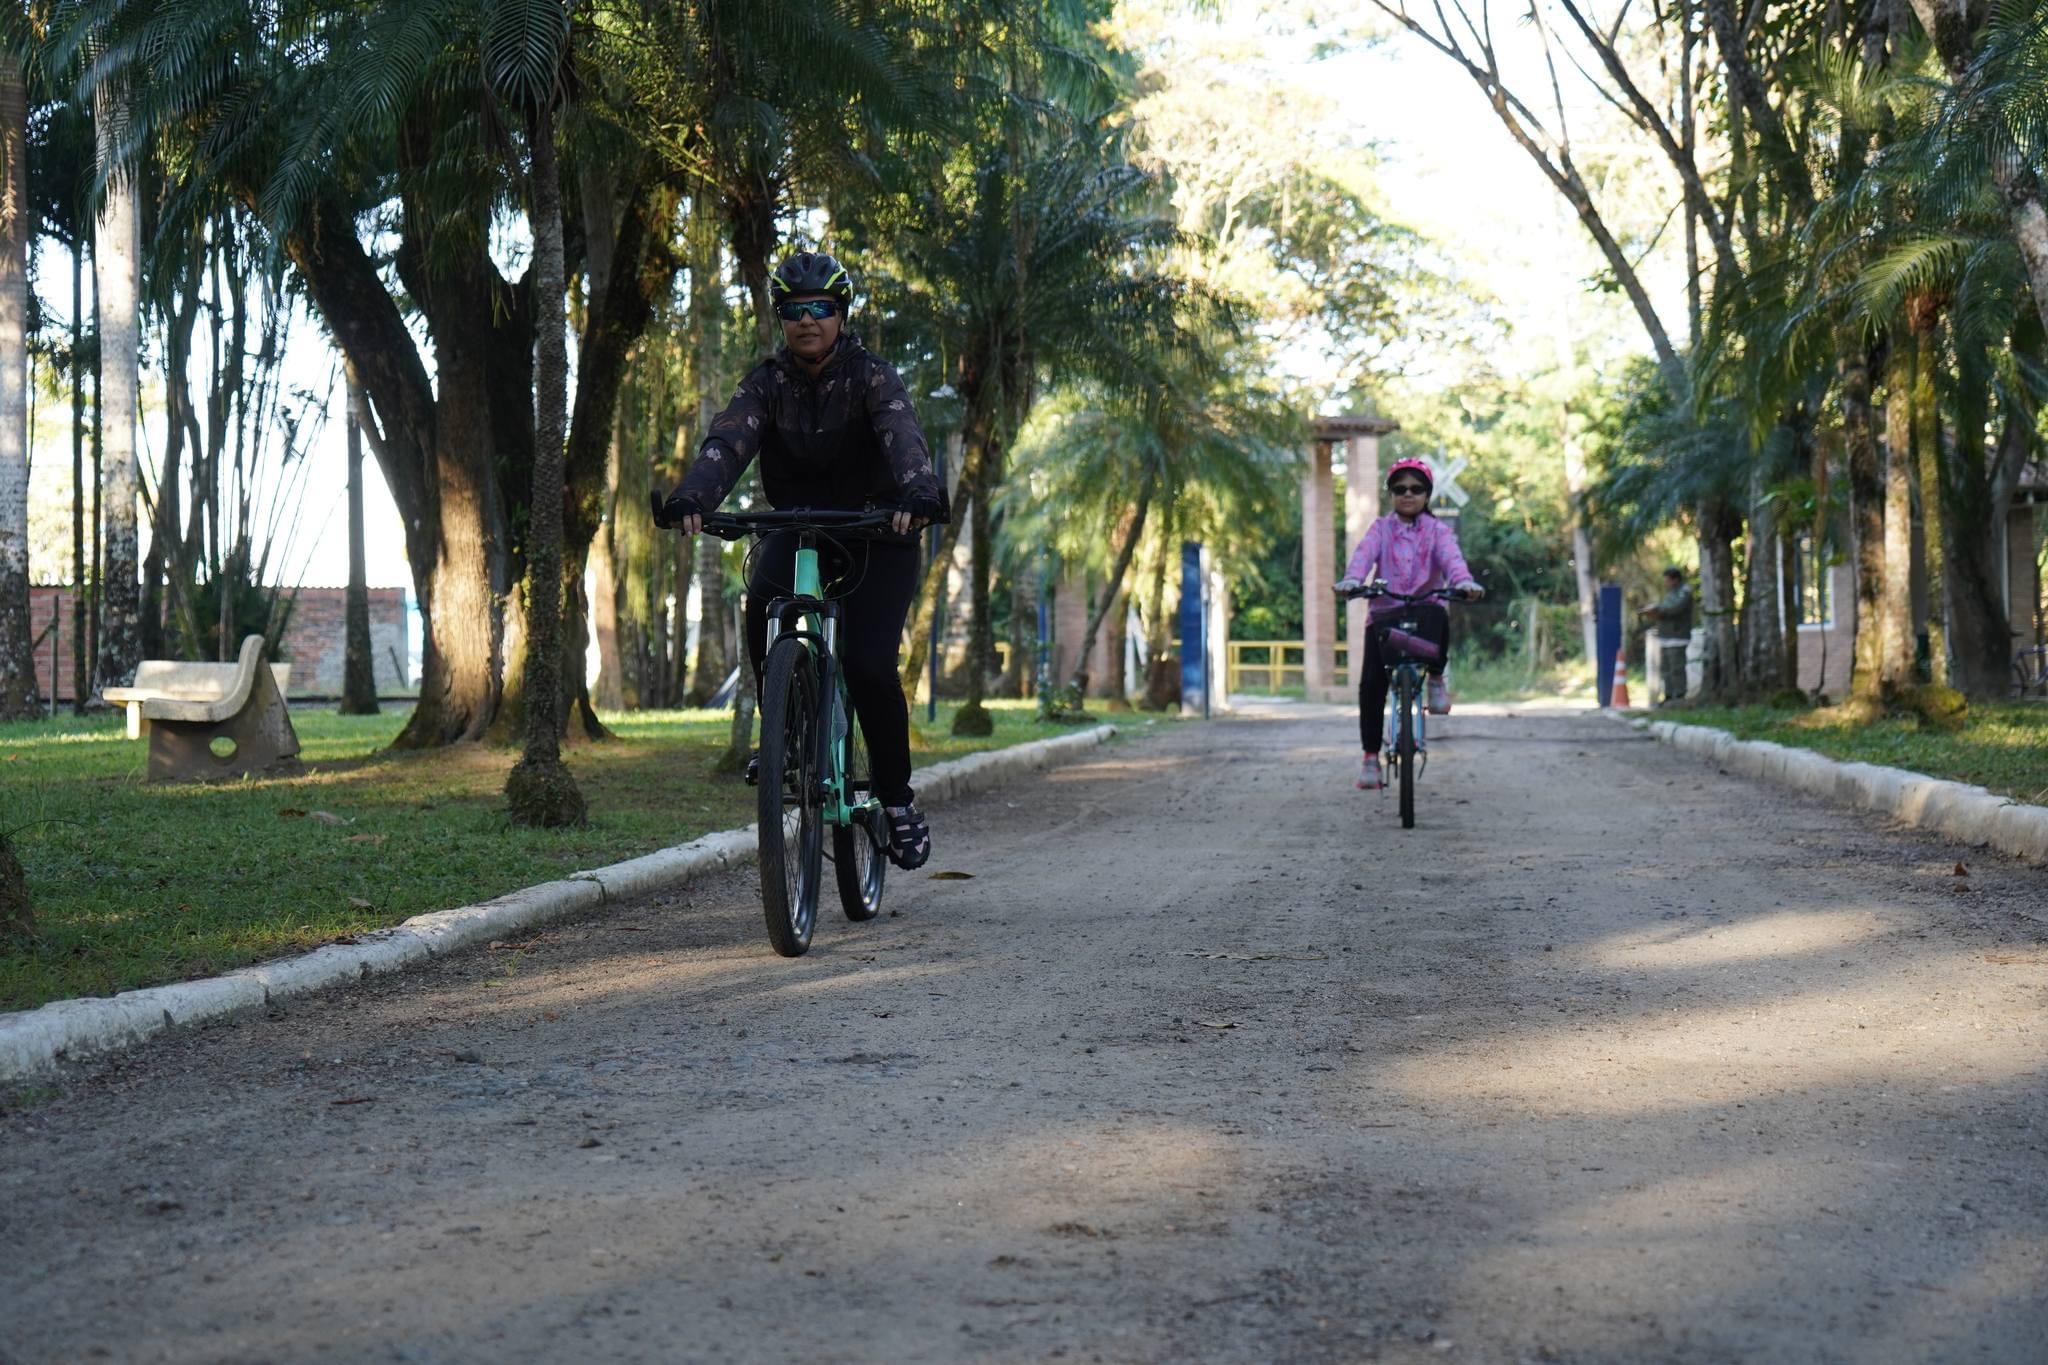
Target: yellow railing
[{"x": 1271, "y": 665}]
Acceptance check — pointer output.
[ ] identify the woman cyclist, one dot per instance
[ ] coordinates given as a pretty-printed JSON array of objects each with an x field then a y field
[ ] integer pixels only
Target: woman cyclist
[
  {"x": 834, "y": 429},
  {"x": 1414, "y": 552}
]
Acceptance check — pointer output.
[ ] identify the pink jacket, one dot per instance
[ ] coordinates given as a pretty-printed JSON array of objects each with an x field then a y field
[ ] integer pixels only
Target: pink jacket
[{"x": 1411, "y": 556}]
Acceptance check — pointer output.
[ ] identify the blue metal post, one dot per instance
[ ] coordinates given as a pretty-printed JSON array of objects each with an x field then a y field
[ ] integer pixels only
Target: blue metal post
[
  {"x": 1607, "y": 638},
  {"x": 1194, "y": 652}
]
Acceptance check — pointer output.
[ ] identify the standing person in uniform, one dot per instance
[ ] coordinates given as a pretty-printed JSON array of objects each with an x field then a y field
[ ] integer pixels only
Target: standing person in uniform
[{"x": 1673, "y": 615}]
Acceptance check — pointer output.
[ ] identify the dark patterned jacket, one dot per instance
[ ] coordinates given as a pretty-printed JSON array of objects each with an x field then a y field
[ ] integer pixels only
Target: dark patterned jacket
[{"x": 843, "y": 440}]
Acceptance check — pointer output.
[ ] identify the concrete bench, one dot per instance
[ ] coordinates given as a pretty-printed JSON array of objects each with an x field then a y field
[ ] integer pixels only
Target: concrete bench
[{"x": 211, "y": 720}]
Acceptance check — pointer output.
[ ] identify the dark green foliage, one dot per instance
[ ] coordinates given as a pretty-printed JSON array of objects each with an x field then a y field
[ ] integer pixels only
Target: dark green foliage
[{"x": 17, "y": 915}]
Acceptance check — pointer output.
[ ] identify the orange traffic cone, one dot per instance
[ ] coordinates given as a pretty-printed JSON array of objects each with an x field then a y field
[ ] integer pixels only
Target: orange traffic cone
[{"x": 1620, "y": 697}]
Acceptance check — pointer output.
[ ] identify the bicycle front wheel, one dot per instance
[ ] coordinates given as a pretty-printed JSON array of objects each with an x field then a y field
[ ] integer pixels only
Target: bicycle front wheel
[
  {"x": 791, "y": 814},
  {"x": 1404, "y": 747},
  {"x": 857, "y": 859}
]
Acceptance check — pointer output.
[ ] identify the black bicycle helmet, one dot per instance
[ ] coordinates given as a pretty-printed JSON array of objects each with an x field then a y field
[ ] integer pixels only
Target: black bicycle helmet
[{"x": 812, "y": 272}]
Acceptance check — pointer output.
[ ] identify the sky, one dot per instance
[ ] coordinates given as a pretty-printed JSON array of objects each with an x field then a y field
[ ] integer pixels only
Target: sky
[{"x": 1446, "y": 168}]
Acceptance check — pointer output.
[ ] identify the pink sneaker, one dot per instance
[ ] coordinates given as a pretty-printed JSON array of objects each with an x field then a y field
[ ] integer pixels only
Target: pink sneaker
[
  {"x": 1369, "y": 774},
  {"x": 1439, "y": 697}
]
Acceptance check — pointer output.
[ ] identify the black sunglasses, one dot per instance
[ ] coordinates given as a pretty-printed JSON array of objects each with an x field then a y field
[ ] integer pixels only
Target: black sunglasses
[
  {"x": 1404, "y": 490},
  {"x": 808, "y": 308}
]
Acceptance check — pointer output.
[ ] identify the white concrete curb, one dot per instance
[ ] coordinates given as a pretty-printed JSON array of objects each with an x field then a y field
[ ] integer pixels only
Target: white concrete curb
[
  {"x": 35, "y": 1041},
  {"x": 1967, "y": 814}
]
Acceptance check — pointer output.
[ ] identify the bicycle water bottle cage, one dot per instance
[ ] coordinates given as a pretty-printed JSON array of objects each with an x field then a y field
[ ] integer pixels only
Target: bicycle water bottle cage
[{"x": 1400, "y": 642}]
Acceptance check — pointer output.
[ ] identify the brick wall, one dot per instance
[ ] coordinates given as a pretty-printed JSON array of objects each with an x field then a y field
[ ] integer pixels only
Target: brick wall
[
  {"x": 314, "y": 643},
  {"x": 317, "y": 639}
]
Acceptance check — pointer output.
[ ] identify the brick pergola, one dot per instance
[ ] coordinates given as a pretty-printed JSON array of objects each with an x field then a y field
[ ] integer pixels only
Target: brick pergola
[{"x": 1322, "y": 561}]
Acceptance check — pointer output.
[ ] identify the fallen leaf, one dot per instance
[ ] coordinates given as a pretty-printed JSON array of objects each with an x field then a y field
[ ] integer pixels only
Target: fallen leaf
[
  {"x": 590, "y": 1142},
  {"x": 1962, "y": 871},
  {"x": 952, "y": 876},
  {"x": 356, "y": 1099},
  {"x": 291, "y": 813},
  {"x": 365, "y": 839},
  {"x": 1217, "y": 1023},
  {"x": 325, "y": 817},
  {"x": 359, "y": 903}
]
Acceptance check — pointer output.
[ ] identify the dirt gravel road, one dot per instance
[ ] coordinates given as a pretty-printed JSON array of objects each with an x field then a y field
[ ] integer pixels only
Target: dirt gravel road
[{"x": 1612, "y": 1059}]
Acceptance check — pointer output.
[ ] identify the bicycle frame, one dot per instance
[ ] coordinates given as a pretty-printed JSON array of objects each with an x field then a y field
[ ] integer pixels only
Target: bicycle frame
[
  {"x": 818, "y": 625},
  {"x": 1417, "y": 683}
]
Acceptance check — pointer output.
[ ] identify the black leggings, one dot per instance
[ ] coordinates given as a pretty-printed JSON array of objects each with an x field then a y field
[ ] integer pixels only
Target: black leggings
[
  {"x": 1432, "y": 622},
  {"x": 873, "y": 582}
]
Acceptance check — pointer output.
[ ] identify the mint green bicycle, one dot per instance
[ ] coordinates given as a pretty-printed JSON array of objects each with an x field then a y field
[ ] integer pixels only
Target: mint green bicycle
[{"x": 810, "y": 741}]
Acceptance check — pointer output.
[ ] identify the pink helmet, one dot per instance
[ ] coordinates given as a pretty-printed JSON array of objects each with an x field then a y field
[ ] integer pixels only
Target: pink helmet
[{"x": 1419, "y": 468}]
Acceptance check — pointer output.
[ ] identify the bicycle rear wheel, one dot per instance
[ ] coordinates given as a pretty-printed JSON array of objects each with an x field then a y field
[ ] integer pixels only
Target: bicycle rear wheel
[
  {"x": 1404, "y": 748},
  {"x": 857, "y": 860},
  {"x": 791, "y": 815}
]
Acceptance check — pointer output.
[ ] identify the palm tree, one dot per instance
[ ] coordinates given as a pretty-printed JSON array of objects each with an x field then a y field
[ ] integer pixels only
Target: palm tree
[
  {"x": 17, "y": 661},
  {"x": 1046, "y": 255},
  {"x": 1092, "y": 466},
  {"x": 117, "y": 274},
  {"x": 525, "y": 44}
]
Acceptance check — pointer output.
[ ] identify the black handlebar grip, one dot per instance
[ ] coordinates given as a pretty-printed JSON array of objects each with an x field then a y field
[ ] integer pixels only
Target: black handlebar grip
[{"x": 656, "y": 500}]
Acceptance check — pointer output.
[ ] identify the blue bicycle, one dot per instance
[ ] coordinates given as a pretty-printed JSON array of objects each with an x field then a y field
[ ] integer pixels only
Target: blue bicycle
[{"x": 815, "y": 783}]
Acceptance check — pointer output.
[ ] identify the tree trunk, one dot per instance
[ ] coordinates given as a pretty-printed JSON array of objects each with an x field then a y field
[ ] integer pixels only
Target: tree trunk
[
  {"x": 675, "y": 662},
  {"x": 167, "y": 578},
  {"x": 18, "y": 691},
  {"x": 1933, "y": 493},
  {"x": 1763, "y": 642},
  {"x": 973, "y": 718},
  {"x": 753, "y": 238},
  {"x": 1866, "y": 519},
  {"x": 1720, "y": 659},
  {"x": 116, "y": 268},
  {"x": 1110, "y": 590},
  {"x": 1788, "y": 581},
  {"x": 924, "y": 612},
  {"x": 1162, "y": 685},
  {"x": 637, "y": 269},
  {"x": 714, "y": 653},
  {"x": 80, "y": 657},
  {"x": 1115, "y": 634},
  {"x": 358, "y": 670},
  {"x": 1895, "y": 623},
  {"x": 707, "y": 328},
  {"x": 1981, "y": 633},
  {"x": 540, "y": 789},
  {"x": 1023, "y": 624},
  {"x": 604, "y": 612}
]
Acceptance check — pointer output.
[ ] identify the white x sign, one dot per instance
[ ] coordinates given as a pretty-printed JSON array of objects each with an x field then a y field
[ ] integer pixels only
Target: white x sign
[{"x": 1444, "y": 475}]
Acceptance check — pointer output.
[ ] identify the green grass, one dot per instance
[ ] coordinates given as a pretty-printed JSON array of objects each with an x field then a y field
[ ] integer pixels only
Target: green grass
[
  {"x": 136, "y": 884},
  {"x": 1507, "y": 679},
  {"x": 2003, "y": 747}
]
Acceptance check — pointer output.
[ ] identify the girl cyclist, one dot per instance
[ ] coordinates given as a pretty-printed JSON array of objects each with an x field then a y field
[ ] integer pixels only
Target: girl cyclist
[
  {"x": 1413, "y": 552},
  {"x": 834, "y": 429}
]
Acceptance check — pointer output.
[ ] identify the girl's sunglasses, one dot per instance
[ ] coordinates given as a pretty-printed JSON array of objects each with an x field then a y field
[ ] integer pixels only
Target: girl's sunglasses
[
  {"x": 1407, "y": 490},
  {"x": 808, "y": 308}
]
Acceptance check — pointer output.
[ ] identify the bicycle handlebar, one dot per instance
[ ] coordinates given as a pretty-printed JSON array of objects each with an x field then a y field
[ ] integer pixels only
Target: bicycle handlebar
[
  {"x": 733, "y": 525},
  {"x": 1379, "y": 589}
]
